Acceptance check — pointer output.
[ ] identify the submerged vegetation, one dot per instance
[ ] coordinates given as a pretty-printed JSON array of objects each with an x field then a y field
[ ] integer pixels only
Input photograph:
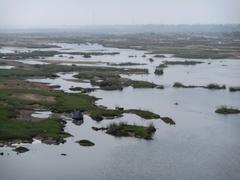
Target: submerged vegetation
[{"x": 227, "y": 110}]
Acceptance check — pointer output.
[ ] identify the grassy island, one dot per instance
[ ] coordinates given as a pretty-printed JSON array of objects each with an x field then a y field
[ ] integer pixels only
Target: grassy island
[
  {"x": 125, "y": 130},
  {"x": 85, "y": 142},
  {"x": 227, "y": 110}
]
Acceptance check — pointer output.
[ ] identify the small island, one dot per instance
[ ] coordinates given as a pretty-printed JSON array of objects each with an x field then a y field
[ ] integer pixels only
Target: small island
[
  {"x": 21, "y": 149},
  {"x": 85, "y": 142},
  {"x": 126, "y": 130},
  {"x": 227, "y": 110},
  {"x": 211, "y": 86}
]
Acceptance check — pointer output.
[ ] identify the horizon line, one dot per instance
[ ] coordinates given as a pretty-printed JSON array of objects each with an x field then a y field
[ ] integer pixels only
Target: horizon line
[{"x": 108, "y": 25}]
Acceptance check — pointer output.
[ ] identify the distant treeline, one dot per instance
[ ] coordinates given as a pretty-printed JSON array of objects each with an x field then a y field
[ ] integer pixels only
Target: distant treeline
[{"x": 112, "y": 29}]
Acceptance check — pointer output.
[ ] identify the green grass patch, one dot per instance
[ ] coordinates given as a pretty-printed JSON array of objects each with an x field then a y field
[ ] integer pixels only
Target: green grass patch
[
  {"x": 117, "y": 83},
  {"x": 26, "y": 130},
  {"x": 99, "y": 113},
  {"x": 18, "y": 74},
  {"x": 142, "y": 84},
  {"x": 11, "y": 129},
  {"x": 85, "y": 142},
  {"x": 143, "y": 114},
  {"x": 6, "y": 112}
]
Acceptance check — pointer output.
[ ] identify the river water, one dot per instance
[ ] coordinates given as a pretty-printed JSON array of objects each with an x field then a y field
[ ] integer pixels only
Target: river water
[{"x": 202, "y": 144}]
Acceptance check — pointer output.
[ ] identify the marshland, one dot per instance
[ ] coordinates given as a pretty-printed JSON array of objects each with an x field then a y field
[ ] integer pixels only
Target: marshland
[{"x": 174, "y": 116}]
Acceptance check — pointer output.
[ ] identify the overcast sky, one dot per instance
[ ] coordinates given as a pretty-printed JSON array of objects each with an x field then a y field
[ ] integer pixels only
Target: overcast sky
[{"x": 35, "y": 13}]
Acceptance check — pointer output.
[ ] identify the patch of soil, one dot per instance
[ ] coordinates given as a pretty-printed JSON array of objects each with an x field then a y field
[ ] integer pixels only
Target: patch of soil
[
  {"x": 35, "y": 97},
  {"x": 25, "y": 114}
]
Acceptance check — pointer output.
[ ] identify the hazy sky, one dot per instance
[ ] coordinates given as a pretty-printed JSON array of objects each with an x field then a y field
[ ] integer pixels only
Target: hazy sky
[{"x": 94, "y": 12}]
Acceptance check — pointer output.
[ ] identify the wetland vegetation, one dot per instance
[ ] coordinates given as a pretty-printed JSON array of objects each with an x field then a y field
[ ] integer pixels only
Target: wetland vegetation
[
  {"x": 126, "y": 64},
  {"x": 185, "y": 63},
  {"x": 234, "y": 89},
  {"x": 227, "y": 110},
  {"x": 95, "y": 95},
  {"x": 21, "y": 149},
  {"x": 158, "y": 71},
  {"x": 15, "y": 101},
  {"x": 209, "y": 86},
  {"x": 126, "y": 130},
  {"x": 44, "y": 54},
  {"x": 85, "y": 142}
]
